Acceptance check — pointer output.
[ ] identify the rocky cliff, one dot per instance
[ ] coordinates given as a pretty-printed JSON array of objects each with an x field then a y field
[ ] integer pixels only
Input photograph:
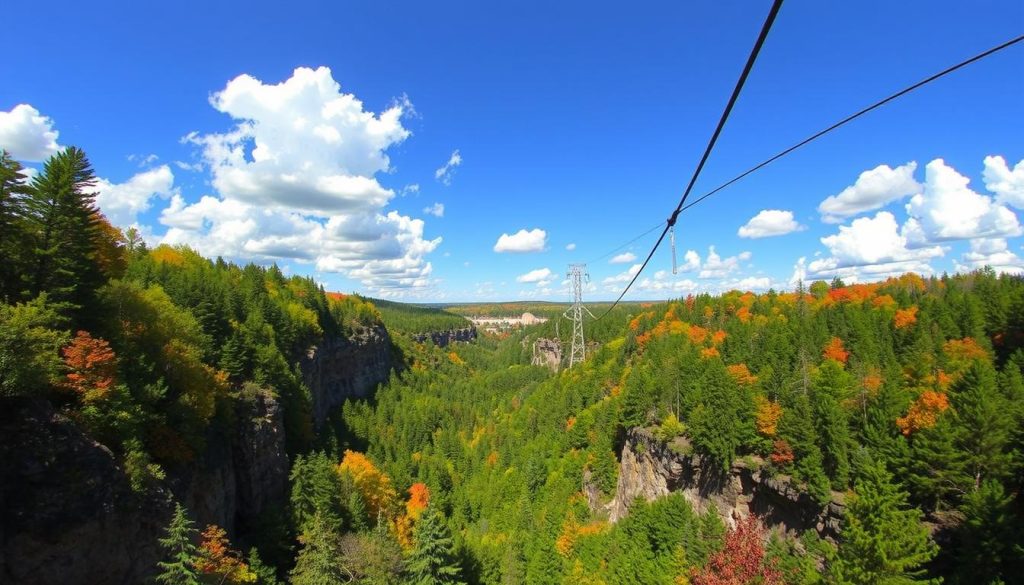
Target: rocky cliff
[
  {"x": 69, "y": 514},
  {"x": 650, "y": 468},
  {"x": 346, "y": 367},
  {"x": 443, "y": 338},
  {"x": 547, "y": 353}
]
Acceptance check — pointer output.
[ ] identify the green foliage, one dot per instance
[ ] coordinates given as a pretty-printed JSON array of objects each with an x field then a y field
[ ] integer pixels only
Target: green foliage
[
  {"x": 63, "y": 225},
  {"x": 432, "y": 559},
  {"x": 883, "y": 540},
  {"x": 317, "y": 492},
  {"x": 180, "y": 551},
  {"x": 319, "y": 560},
  {"x": 406, "y": 318},
  {"x": 31, "y": 335},
  {"x": 991, "y": 545}
]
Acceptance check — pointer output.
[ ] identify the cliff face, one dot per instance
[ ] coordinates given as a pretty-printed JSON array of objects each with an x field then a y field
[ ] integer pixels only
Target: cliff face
[
  {"x": 346, "y": 367},
  {"x": 650, "y": 468},
  {"x": 69, "y": 514},
  {"x": 443, "y": 338},
  {"x": 547, "y": 353}
]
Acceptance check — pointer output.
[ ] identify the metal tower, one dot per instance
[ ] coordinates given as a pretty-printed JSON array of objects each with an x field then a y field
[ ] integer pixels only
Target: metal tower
[{"x": 577, "y": 275}]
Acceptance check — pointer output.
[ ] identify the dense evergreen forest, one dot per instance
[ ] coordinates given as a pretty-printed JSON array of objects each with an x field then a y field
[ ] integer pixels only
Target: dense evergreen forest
[{"x": 904, "y": 400}]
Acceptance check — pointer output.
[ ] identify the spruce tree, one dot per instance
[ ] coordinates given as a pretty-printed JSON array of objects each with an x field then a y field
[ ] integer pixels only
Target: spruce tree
[
  {"x": 180, "y": 552},
  {"x": 991, "y": 546},
  {"x": 12, "y": 191},
  {"x": 985, "y": 422},
  {"x": 64, "y": 228},
  {"x": 830, "y": 386},
  {"x": 882, "y": 539},
  {"x": 265, "y": 574},
  {"x": 318, "y": 562},
  {"x": 432, "y": 560}
]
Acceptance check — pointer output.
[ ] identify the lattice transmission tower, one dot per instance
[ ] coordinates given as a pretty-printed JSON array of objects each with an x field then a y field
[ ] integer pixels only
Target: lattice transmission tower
[{"x": 577, "y": 275}]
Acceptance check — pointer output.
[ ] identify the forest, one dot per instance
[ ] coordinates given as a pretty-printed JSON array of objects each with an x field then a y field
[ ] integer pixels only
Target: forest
[{"x": 902, "y": 399}]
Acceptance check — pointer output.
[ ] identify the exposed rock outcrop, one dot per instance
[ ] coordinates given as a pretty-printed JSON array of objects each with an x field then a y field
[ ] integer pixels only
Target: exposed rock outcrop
[
  {"x": 261, "y": 464},
  {"x": 650, "y": 468},
  {"x": 69, "y": 514},
  {"x": 346, "y": 367},
  {"x": 443, "y": 338},
  {"x": 547, "y": 353}
]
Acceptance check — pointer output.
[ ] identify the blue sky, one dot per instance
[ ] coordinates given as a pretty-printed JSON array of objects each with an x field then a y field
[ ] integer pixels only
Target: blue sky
[{"x": 386, "y": 148}]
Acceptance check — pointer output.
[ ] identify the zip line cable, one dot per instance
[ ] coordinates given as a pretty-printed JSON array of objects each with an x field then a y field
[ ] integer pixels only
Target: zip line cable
[
  {"x": 614, "y": 250},
  {"x": 807, "y": 141},
  {"x": 776, "y": 5},
  {"x": 853, "y": 117}
]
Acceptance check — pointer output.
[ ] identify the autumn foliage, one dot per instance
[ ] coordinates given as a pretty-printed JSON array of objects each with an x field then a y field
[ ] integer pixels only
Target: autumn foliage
[
  {"x": 835, "y": 351},
  {"x": 767, "y": 416},
  {"x": 742, "y": 375},
  {"x": 373, "y": 484},
  {"x": 91, "y": 365},
  {"x": 905, "y": 318},
  {"x": 924, "y": 412},
  {"x": 217, "y": 558},
  {"x": 741, "y": 561}
]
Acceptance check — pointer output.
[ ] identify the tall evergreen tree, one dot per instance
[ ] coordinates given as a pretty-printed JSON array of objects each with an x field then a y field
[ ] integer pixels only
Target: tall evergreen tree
[
  {"x": 180, "y": 551},
  {"x": 64, "y": 227},
  {"x": 432, "y": 561},
  {"x": 12, "y": 191},
  {"x": 830, "y": 386},
  {"x": 318, "y": 562},
  {"x": 883, "y": 541},
  {"x": 991, "y": 546},
  {"x": 986, "y": 423}
]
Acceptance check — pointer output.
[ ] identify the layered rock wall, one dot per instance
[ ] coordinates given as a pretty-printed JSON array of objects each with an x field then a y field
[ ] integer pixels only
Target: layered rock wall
[
  {"x": 443, "y": 338},
  {"x": 346, "y": 367},
  {"x": 650, "y": 468}
]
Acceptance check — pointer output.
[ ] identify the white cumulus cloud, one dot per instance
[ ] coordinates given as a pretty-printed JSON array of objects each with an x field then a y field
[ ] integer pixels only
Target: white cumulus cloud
[
  {"x": 872, "y": 190},
  {"x": 447, "y": 170},
  {"x": 301, "y": 144},
  {"x": 1006, "y": 183},
  {"x": 871, "y": 247},
  {"x": 27, "y": 135},
  {"x": 542, "y": 276},
  {"x": 295, "y": 178},
  {"x": 715, "y": 266},
  {"x": 437, "y": 210},
  {"x": 623, "y": 258},
  {"x": 992, "y": 252},
  {"x": 768, "y": 223},
  {"x": 948, "y": 209},
  {"x": 123, "y": 202},
  {"x": 522, "y": 241}
]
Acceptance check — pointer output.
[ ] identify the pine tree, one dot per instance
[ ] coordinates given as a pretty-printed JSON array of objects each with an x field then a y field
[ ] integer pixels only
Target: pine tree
[
  {"x": 432, "y": 560},
  {"x": 318, "y": 562},
  {"x": 12, "y": 191},
  {"x": 831, "y": 385},
  {"x": 985, "y": 424},
  {"x": 265, "y": 574},
  {"x": 991, "y": 546},
  {"x": 883, "y": 540},
  {"x": 180, "y": 551},
  {"x": 64, "y": 226}
]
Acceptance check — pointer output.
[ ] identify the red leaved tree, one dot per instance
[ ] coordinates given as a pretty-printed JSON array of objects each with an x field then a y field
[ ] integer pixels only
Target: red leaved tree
[
  {"x": 741, "y": 561},
  {"x": 91, "y": 366}
]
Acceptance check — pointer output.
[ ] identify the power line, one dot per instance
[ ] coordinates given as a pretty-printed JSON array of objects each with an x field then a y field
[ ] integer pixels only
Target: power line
[
  {"x": 776, "y": 5},
  {"x": 853, "y": 117},
  {"x": 671, "y": 221},
  {"x": 616, "y": 249}
]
